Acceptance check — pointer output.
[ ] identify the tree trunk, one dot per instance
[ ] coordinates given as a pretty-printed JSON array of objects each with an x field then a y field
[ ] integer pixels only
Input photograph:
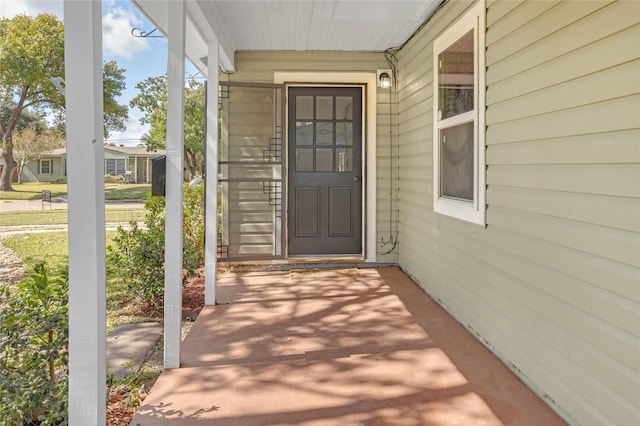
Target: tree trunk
[
  {"x": 7, "y": 169},
  {"x": 19, "y": 169},
  {"x": 190, "y": 160}
]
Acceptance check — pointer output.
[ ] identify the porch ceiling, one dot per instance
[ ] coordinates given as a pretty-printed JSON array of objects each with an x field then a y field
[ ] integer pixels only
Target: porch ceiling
[{"x": 351, "y": 25}]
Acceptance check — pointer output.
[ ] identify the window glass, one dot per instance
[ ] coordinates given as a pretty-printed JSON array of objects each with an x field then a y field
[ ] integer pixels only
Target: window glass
[
  {"x": 344, "y": 133},
  {"x": 344, "y": 108},
  {"x": 456, "y": 162},
  {"x": 45, "y": 167},
  {"x": 304, "y": 159},
  {"x": 324, "y": 159},
  {"x": 324, "y": 107},
  {"x": 304, "y": 107},
  {"x": 456, "y": 78},
  {"x": 344, "y": 159},
  {"x": 304, "y": 133},
  {"x": 324, "y": 133}
]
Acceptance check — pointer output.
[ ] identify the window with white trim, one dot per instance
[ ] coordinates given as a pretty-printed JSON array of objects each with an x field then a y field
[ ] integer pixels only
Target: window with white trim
[
  {"x": 46, "y": 167},
  {"x": 458, "y": 122}
]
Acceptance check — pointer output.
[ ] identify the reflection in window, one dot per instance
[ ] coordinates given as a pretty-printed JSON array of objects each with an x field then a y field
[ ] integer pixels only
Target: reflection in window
[
  {"x": 324, "y": 133},
  {"x": 324, "y": 159},
  {"x": 304, "y": 107},
  {"x": 344, "y": 133},
  {"x": 324, "y": 107},
  {"x": 344, "y": 108},
  {"x": 304, "y": 159},
  {"x": 455, "y": 78},
  {"x": 304, "y": 133},
  {"x": 344, "y": 160},
  {"x": 456, "y": 162}
]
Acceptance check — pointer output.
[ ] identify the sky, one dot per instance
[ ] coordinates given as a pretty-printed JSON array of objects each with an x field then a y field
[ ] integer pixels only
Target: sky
[{"x": 140, "y": 57}]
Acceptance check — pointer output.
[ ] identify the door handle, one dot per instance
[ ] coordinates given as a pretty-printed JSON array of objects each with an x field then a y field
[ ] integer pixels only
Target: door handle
[{"x": 356, "y": 178}]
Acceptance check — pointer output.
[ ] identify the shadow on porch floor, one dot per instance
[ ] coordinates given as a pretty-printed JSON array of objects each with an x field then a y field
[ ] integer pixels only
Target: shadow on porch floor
[{"x": 356, "y": 347}]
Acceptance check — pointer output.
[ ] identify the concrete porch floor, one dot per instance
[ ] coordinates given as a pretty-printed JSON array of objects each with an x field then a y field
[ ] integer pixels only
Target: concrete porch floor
[{"x": 350, "y": 347}]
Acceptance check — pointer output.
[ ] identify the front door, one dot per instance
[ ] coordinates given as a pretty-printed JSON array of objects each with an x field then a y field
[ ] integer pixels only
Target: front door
[{"x": 325, "y": 171}]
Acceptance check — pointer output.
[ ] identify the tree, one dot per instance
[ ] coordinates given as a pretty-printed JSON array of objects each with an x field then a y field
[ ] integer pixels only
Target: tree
[
  {"x": 152, "y": 101},
  {"x": 31, "y": 52},
  {"x": 28, "y": 145}
]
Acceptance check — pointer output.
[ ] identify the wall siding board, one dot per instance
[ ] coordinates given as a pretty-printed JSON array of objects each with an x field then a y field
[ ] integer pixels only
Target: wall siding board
[
  {"x": 551, "y": 283},
  {"x": 594, "y": 88},
  {"x": 605, "y": 179},
  {"x": 599, "y": 148},
  {"x": 597, "y": 27},
  {"x": 518, "y": 18},
  {"x": 577, "y": 63},
  {"x": 610, "y": 116},
  {"x": 497, "y": 10},
  {"x": 554, "y": 17},
  {"x": 614, "y": 244},
  {"x": 616, "y": 212}
]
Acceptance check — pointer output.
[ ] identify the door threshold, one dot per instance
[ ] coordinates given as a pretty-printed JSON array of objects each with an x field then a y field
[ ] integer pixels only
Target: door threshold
[{"x": 331, "y": 258}]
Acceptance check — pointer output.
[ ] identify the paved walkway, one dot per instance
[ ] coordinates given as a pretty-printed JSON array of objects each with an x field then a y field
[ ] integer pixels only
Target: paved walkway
[
  {"x": 128, "y": 346},
  {"x": 355, "y": 347},
  {"x": 61, "y": 203}
]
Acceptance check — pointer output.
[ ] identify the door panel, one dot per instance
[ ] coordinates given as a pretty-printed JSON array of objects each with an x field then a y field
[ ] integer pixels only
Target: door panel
[{"x": 325, "y": 170}]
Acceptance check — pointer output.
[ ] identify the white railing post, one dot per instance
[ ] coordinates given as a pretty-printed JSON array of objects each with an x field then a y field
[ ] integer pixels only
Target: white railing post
[
  {"x": 85, "y": 177},
  {"x": 175, "y": 173}
]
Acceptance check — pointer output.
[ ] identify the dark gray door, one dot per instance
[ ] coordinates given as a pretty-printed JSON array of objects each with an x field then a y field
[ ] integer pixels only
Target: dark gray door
[{"x": 325, "y": 170}]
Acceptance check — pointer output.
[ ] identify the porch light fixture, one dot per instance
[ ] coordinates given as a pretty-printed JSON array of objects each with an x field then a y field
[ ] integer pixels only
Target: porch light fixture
[{"x": 384, "y": 79}]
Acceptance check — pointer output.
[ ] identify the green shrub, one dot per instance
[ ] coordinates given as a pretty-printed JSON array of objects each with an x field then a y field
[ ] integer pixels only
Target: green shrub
[
  {"x": 33, "y": 350},
  {"x": 61, "y": 179},
  {"x": 136, "y": 258},
  {"x": 193, "y": 219},
  {"x": 113, "y": 179}
]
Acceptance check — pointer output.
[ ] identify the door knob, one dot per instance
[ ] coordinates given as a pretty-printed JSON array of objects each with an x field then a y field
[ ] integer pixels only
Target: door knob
[{"x": 356, "y": 178}]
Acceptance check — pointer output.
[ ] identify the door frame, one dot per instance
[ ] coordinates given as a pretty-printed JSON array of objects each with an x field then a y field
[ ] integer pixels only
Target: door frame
[{"x": 366, "y": 80}]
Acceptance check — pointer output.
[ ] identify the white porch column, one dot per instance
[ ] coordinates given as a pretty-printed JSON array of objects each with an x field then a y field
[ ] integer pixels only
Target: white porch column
[
  {"x": 85, "y": 171},
  {"x": 175, "y": 161},
  {"x": 211, "y": 196}
]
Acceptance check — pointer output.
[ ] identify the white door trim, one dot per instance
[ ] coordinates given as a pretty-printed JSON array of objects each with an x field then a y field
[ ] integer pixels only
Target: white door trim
[{"x": 368, "y": 81}]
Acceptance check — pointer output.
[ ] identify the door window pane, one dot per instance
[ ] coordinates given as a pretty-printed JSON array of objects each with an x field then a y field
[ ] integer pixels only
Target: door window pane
[
  {"x": 344, "y": 108},
  {"x": 324, "y": 133},
  {"x": 304, "y": 107},
  {"x": 344, "y": 133},
  {"x": 456, "y": 78},
  {"x": 304, "y": 159},
  {"x": 456, "y": 162},
  {"x": 324, "y": 159},
  {"x": 324, "y": 107},
  {"x": 304, "y": 133},
  {"x": 344, "y": 159}
]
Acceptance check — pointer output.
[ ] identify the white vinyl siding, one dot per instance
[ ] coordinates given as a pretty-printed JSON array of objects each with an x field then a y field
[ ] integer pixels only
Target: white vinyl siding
[{"x": 552, "y": 284}]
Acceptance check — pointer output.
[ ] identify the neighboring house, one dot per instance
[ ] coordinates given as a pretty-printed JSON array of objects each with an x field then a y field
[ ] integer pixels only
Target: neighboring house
[
  {"x": 50, "y": 167},
  {"x": 501, "y": 170},
  {"x": 132, "y": 163}
]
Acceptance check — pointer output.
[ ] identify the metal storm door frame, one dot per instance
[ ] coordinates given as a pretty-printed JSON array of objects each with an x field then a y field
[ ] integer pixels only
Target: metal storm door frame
[{"x": 251, "y": 171}]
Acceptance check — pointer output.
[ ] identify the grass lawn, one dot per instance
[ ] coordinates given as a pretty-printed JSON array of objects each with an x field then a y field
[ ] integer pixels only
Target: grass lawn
[
  {"x": 33, "y": 190},
  {"x": 130, "y": 191},
  {"x": 57, "y": 217},
  {"x": 113, "y": 191},
  {"x": 52, "y": 247}
]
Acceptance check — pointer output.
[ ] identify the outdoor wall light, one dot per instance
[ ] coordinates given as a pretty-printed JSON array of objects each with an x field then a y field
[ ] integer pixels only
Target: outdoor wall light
[{"x": 384, "y": 79}]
